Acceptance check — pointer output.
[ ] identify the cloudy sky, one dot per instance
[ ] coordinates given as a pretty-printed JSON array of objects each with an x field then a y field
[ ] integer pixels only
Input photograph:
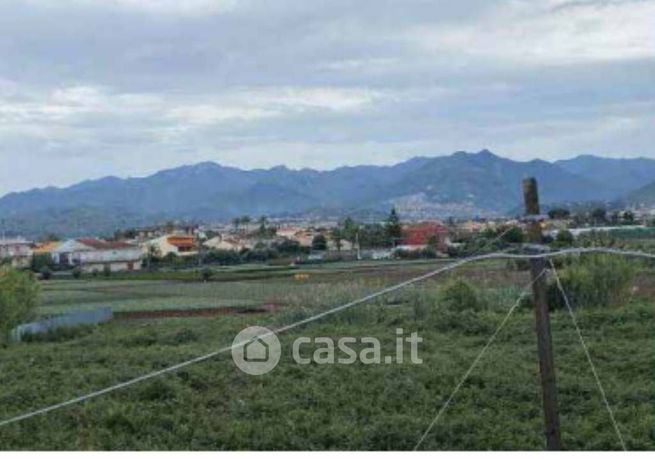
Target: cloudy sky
[{"x": 90, "y": 88}]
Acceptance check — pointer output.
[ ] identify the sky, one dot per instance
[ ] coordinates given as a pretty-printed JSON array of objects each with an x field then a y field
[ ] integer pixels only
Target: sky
[{"x": 90, "y": 88}]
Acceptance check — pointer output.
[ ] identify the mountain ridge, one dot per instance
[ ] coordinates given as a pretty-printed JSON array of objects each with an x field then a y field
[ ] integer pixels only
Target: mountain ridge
[{"x": 462, "y": 184}]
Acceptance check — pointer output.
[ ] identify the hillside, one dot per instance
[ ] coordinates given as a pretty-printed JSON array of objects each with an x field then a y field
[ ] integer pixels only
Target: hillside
[
  {"x": 460, "y": 185},
  {"x": 642, "y": 197},
  {"x": 618, "y": 175}
]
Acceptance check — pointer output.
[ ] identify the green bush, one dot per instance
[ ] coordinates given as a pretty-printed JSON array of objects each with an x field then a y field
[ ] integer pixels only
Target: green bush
[
  {"x": 106, "y": 270},
  {"x": 593, "y": 281},
  {"x": 77, "y": 272},
  {"x": 460, "y": 295},
  {"x": 46, "y": 273},
  {"x": 206, "y": 274},
  {"x": 564, "y": 238},
  {"x": 41, "y": 261},
  {"x": 59, "y": 334},
  {"x": 19, "y": 295}
]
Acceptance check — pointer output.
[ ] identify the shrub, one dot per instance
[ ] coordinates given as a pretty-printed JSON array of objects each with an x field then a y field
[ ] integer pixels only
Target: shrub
[
  {"x": 206, "y": 274},
  {"x": 513, "y": 235},
  {"x": 106, "y": 270},
  {"x": 77, "y": 272},
  {"x": 460, "y": 295},
  {"x": 59, "y": 334},
  {"x": 41, "y": 261},
  {"x": 564, "y": 238},
  {"x": 46, "y": 273},
  {"x": 593, "y": 281},
  {"x": 19, "y": 294}
]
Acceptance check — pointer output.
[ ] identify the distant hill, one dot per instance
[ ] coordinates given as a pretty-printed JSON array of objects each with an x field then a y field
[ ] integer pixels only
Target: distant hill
[
  {"x": 459, "y": 185},
  {"x": 619, "y": 175},
  {"x": 642, "y": 197}
]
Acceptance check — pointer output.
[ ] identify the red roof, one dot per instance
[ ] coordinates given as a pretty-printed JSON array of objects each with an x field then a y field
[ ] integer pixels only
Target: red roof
[
  {"x": 99, "y": 244},
  {"x": 421, "y": 233},
  {"x": 182, "y": 242}
]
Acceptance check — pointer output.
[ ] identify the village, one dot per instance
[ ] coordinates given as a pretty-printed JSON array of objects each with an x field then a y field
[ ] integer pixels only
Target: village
[{"x": 276, "y": 241}]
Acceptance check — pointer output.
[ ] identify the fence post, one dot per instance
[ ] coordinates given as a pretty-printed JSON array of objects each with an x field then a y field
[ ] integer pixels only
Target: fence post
[{"x": 544, "y": 342}]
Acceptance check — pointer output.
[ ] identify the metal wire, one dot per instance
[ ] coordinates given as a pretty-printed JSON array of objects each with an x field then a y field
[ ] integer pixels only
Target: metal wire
[
  {"x": 586, "y": 351},
  {"x": 393, "y": 288}
]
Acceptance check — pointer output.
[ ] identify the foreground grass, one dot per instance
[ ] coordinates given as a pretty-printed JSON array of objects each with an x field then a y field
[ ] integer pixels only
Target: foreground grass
[{"x": 360, "y": 407}]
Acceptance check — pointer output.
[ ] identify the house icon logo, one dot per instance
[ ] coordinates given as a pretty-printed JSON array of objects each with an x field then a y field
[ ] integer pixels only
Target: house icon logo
[{"x": 256, "y": 350}]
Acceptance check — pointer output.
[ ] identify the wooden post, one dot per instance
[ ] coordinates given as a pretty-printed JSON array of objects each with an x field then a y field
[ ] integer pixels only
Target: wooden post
[{"x": 544, "y": 342}]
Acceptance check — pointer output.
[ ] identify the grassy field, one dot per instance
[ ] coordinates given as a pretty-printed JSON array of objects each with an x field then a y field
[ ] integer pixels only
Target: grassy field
[{"x": 213, "y": 405}]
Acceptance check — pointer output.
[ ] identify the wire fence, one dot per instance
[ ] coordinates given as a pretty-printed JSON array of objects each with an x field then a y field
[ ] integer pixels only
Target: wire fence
[{"x": 449, "y": 267}]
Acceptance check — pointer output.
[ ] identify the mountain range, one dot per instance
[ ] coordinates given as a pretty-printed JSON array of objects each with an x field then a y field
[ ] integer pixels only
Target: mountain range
[{"x": 458, "y": 185}]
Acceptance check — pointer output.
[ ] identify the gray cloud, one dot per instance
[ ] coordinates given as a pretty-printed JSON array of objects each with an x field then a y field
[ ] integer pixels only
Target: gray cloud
[{"x": 91, "y": 88}]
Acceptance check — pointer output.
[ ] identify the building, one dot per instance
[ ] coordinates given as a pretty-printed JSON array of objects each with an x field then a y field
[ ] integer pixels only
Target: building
[
  {"x": 45, "y": 248},
  {"x": 177, "y": 244},
  {"x": 17, "y": 251},
  {"x": 422, "y": 235},
  {"x": 226, "y": 243},
  {"x": 97, "y": 255},
  {"x": 303, "y": 236}
]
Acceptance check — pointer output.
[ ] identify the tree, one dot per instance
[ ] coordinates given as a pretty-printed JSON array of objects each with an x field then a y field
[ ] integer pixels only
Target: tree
[
  {"x": 393, "y": 227},
  {"x": 288, "y": 246},
  {"x": 319, "y": 242},
  {"x": 19, "y": 297},
  {"x": 350, "y": 230},
  {"x": 40, "y": 261},
  {"x": 153, "y": 254},
  {"x": 559, "y": 213},
  {"x": 337, "y": 237},
  {"x": 373, "y": 235},
  {"x": 46, "y": 273},
  {"x": 628, "y": 217},
  {"x": 599, "y": 215},
  {"x": 564, "y": 238},
  {"x": 513, "y": 235}
]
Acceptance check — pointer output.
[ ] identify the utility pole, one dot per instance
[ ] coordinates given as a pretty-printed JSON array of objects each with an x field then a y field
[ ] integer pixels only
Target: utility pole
[{"x": 544, "y": 342}]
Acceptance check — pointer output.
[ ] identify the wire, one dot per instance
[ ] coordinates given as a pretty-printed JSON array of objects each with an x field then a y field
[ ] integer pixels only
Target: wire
[
  {"x": 393, "y": 288},
  {"x": 586, "y": 350},
  {"x": 476, "y": 361}
]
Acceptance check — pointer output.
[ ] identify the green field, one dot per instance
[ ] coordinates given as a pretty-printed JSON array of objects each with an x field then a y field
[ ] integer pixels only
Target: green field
[{"x": 212, "y": 405}]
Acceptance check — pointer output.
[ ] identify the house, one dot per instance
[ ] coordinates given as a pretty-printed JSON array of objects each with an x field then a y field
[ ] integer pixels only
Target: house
[
  {"x": 226, "y": 243},
  {"x": 302, "y": 236},
  {"x": 343, "y": 244},
  {"x": 45, "y": 248},
  {"x": 177, "y": 244},
  {"x": 97, "y": 255},
  {"x": 17, "y": 251},
  {"x": 421, "y": 235}
]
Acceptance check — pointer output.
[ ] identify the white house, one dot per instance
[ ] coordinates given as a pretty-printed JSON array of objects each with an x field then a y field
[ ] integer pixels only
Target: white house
[
  {"x": 97, "y": 255},
  {"x": 227, "y": 243},
  {"x": 176, "y": 244},
  {"x": 17, "y": 251}
]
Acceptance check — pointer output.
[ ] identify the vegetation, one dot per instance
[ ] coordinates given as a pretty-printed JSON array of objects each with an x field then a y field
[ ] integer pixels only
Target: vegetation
[
  {"x": 212, "y": 405},
  {"x": 594, "y": 281},
  {"x": 558, "y": 213},
  {"x": 319, "y": 242},
  {"x": 19, "y": 294}
]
